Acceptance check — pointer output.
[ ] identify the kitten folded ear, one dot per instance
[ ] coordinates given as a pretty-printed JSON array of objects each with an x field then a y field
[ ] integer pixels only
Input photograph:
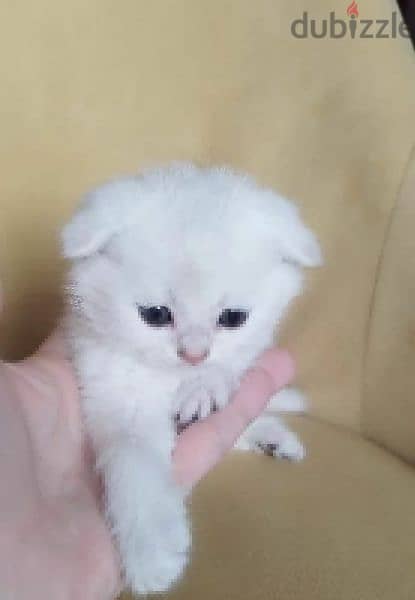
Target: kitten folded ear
[
  {"x": 102, "y": 214},
  {"x": 296, "y": 242}
]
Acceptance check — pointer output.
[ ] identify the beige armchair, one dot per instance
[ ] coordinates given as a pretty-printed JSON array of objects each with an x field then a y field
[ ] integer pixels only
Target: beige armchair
[{"x": 93, "y": 89}]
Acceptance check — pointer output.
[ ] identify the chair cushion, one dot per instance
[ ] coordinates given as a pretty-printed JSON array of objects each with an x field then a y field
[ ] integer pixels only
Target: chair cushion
[
  {"x": 338, "y": 526},
  {"x": 388, "y": 406}
]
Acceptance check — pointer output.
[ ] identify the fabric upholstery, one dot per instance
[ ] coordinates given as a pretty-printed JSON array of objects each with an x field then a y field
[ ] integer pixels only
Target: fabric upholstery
[
  {"x": 338, "y": 526},
  {"x": 94, "y": 89},
  {"x": 388, "y": 410},
  {"x": 100, "y": 90}
]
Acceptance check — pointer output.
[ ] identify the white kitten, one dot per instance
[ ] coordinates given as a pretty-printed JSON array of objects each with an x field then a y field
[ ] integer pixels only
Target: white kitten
[{"x": 179, "y": 277}]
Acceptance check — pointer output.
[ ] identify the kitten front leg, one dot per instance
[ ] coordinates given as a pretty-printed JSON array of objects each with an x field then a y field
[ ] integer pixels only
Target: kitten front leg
[{"x": 147, "y": 514}]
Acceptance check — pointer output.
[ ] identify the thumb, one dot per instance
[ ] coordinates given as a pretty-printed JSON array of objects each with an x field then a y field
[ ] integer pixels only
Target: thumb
[{"x": 202, "y": 445}]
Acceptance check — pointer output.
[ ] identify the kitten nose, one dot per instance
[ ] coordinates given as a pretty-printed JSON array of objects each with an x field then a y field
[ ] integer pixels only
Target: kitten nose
[{"x": 192, "y": 359}]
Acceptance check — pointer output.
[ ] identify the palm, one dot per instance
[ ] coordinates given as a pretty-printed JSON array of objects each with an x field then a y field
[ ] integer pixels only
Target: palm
[
  {"x": 55, "y": 540},
  {"x": 57, "y": 509}
]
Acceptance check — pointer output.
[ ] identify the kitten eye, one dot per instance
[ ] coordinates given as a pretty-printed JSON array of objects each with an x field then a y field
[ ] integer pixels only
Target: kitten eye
[
  {"x": 231, "y": 318},
  {"x": 156, "y": 316}
]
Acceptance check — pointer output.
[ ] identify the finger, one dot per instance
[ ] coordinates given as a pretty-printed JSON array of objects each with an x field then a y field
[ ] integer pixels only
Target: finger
[
  {"x": 52, "y": 360},
  {"x": 17, "y": 466},
  {"x": 54, "y": 345},
  {"x": 203, "y": 444}
]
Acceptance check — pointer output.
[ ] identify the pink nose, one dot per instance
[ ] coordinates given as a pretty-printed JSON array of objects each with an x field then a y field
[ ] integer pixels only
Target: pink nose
[{"x": 192, "y": 359}]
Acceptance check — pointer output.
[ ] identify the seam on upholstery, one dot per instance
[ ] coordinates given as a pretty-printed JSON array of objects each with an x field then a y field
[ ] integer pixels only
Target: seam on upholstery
[
  {"x": 353, "y": 434},
  {"x": 378, "y": 271}
]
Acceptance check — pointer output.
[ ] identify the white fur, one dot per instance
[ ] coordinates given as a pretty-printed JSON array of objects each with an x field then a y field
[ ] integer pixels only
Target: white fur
[
  {"x": 288, "y": 400},
  {"x": 198, "y": 241}
]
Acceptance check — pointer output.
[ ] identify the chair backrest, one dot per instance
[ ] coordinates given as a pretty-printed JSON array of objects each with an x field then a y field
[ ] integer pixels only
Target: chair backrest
[{"x": 94, "y": 89}]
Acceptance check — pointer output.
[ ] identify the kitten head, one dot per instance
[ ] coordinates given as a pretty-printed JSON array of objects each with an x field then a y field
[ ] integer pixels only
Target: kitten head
[{"x": 183, "y": 265}]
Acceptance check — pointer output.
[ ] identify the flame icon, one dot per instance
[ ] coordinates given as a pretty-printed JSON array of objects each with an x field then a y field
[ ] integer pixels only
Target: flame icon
[{"x": 353, "y": 10}]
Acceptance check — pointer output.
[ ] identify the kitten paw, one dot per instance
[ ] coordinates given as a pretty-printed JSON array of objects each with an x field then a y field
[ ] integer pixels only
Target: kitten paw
[
  {"x": 155, "y": 560},
  {"x": 288, "y": 447},
  {"x": 201, "y": 395},
  {"x": 268, "y": 435}
]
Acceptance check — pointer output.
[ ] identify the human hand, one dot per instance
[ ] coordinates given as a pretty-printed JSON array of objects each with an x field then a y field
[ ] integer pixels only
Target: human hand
[{"x": 54, "y": 542}]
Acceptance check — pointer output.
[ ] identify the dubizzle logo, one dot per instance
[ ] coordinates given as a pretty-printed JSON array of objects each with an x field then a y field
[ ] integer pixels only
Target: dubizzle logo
[
  {"x": 353, "y": 10},
  {"x": 336, "y": 28}
]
